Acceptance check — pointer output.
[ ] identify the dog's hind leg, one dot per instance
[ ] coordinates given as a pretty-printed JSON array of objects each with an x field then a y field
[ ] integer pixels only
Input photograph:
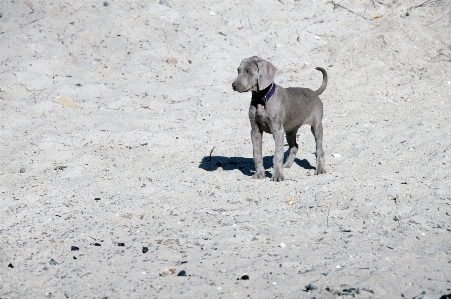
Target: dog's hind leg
[
  {"x": 317, "y": 130},
  {"x": 292, "y": 148}
]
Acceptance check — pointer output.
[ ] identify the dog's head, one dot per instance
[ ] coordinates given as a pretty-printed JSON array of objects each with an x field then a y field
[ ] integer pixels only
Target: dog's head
[{"x": 254, "y": 74}]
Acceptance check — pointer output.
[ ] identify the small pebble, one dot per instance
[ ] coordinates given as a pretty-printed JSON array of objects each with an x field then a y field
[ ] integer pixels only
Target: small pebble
[
  {"x": 245, "y": 277},
  {"x": 106, "y": 3},
  {"x": 310, "y": 287},
  {"x": 74, "y": 248},
  {"x": 145, "y": 249},
  {"x": 97, "y": 198},
  {"x": 74, "y": 257},
  {"x": 10, "y": 265},
  {"x": 167, "y": 271},
  {"x": 282, "y": 245},
  {"x": 120, "y": 244},
  {"x": 22, "y": 170},
  {"x": 182, "y": 273},
  {"x": 53, "y": 262},
  {"x": 171, "y": 61},
  {"x": 336, "y": 155},
  {"x": 96, "y": 244}
]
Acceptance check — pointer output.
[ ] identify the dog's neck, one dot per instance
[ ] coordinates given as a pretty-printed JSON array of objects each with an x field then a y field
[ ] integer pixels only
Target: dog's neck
[{"x": 265, "y": 94}]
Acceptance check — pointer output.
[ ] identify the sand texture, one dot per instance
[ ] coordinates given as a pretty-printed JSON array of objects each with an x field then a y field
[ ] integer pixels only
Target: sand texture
[{"x": 126, "y": 158}]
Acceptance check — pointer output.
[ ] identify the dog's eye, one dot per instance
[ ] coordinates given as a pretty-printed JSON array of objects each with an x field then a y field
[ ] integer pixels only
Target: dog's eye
[{"x": 248, "y": 71}]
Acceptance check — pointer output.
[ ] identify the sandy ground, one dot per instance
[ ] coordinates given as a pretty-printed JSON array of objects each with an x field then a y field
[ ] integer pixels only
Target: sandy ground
[{"x": 159, "y": 154}]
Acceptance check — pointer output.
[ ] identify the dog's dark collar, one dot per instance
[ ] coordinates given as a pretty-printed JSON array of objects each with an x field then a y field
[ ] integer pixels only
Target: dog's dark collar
[{"x": 268, "y": 94}]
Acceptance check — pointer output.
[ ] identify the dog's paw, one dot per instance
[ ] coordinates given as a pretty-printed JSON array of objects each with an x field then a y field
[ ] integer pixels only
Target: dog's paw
[
  {"x": 278, "y": 177},
  {"x": 320, "y": 171},
  {"x": 258, "y": 176}
]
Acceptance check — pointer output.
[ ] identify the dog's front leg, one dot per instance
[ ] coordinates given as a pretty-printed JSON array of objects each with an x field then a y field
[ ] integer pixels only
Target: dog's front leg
[
  {"x": 278, "y": 156},
  {"x": 256, "y": 136}
]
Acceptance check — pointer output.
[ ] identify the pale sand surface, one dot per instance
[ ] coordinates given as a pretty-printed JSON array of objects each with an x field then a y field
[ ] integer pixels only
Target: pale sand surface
[{"x": 159, "y": 115}]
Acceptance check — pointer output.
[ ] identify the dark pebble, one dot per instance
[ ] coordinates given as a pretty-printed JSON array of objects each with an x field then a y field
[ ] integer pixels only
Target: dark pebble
[
  {"x": 351, "y": 290},
  {"x": 74, "y": 257},
  {"x": 106, "y": 3},
  {"x": 74, "y": 248},
  {"x": 182, "y": 273},
  {"x": 245, "y": 277},
  {"x": 145, "y": 249},
  {"x": 120, "y": 244},
  {"x": 97, "y": 198},
  {"x": 446, "y": 296},
  {"x": 53, "y": 262},
  {"x": 10, "y": 265},
  {"x": 310, "y": 287},
  {"x": 96, "y": 244},
  {"x": 22, "y": 170}
]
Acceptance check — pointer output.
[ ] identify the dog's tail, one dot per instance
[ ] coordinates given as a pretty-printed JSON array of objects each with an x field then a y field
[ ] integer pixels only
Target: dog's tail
[{"x": 323, "y": 86}]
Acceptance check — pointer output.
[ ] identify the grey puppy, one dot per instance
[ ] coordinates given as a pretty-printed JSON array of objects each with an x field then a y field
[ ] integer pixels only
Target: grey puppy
[{"x": 279, "y": 110}]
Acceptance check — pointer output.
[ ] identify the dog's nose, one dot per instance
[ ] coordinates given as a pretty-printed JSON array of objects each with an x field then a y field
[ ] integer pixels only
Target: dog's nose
[{"x": 234, "y": 85}]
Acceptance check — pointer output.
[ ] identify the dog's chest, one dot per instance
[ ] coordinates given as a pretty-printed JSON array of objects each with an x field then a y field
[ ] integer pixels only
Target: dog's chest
[
  {"x": 261, "y": 112},
  {"x": 262, "y": 118}
]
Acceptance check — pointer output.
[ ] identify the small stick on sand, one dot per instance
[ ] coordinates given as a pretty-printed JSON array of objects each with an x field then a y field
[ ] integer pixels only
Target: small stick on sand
[
  {"x": 341, "y": 6},
  {"x": 211, "y": 152},
  {"x": 431, "y": 3}
]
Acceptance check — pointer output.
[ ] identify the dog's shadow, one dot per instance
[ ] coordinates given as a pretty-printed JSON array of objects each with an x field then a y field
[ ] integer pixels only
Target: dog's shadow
[{"x": 245, "y": 165}]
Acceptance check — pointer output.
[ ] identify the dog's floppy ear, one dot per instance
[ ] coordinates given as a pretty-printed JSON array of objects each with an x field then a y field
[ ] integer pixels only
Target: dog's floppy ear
[{"x": 266, "y": 73}]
